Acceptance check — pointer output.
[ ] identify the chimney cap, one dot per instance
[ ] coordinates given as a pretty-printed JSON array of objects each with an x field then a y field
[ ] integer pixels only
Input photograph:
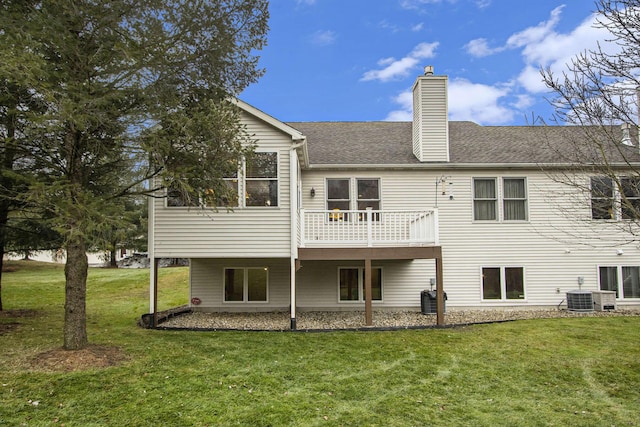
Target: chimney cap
[{"x": 428, "y": 70}]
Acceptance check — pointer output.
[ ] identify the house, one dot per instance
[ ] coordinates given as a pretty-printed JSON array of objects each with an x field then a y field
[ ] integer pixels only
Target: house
[{"x": 366, "y": 215}]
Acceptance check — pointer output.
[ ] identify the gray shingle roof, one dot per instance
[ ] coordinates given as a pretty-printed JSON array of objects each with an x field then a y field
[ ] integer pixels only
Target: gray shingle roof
[{"x": 390, "y": 143}]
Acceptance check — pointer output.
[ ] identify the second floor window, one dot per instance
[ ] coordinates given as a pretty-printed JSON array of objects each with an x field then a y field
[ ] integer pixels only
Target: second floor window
[
  {"x": 602, "y": 201},
  {"x": 514, "y": 199},
  {"x": 608, "y": 201},
  {"x": 368, "y": 194},
  {"x": 631, "y": 200},
  {"x": 486, "y": 195},
  {"x": 339, "y": 196},
  {"x": 256, "y": 178},
  {"x": 261, "y": 180},
  {"x": 484, "y": 199}
]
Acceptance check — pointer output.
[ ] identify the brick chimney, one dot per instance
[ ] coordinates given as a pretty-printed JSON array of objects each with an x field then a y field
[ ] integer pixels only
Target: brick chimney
[{"x": 430, "y": 117}]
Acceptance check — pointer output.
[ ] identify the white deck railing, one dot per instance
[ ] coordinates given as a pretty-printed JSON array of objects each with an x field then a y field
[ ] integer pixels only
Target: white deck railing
[{"x": 368, "y": 228}]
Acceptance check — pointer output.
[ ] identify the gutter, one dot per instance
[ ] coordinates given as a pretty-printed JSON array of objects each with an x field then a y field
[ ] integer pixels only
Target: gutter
[
  {"x": 463, "y": 166},
  {"x": 305, "y": 152}
]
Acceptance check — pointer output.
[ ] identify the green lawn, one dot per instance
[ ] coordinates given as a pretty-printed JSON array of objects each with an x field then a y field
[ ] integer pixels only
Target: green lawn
[{"x": 578, "y": 372}]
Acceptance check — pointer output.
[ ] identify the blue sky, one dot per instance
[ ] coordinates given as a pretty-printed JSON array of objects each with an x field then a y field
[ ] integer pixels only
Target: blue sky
[{"x": 356, "y": 60}]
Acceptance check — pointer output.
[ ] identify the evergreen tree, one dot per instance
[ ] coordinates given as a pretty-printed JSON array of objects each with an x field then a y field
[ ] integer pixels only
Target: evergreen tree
[{"x": 128, "y": 85}]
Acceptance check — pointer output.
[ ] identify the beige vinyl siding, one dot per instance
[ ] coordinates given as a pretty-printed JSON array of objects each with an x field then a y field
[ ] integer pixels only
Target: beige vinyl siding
[
  {"x": 402, "y": 282},
  {"x": 553, "y": 246},
  {"x": 252, "y": 231},
  {"x": 430, "y": 121},
  {"x": 207, "y": 284},
  {"x": 539, "y": 245}
]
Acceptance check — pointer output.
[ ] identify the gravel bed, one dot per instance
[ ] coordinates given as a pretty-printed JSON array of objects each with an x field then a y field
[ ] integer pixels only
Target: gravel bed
[{"x": 318, "y": 320}]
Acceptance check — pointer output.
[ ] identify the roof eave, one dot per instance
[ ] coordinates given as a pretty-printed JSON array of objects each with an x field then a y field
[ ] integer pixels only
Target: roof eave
[{"x": 462, "y": 166}]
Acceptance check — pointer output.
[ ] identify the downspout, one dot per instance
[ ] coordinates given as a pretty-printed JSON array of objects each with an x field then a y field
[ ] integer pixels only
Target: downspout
[{"x": 293, "y": 204}]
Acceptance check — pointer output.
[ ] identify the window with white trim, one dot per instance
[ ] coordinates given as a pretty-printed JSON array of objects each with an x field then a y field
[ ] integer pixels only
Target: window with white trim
[
  {"x": 351, "y": 284},
  {"x": 259, "y": 185},
  {"x": 514, "y": 199},
  {"x": 368, "y": 193},
  {"x": 630, "y": 201},
  {"x": 261, "y": 180},
  {"x": 338, "y": 198},
  {"x": 486, "y": 193},
  {"x": 246, "y": 284},
  {"x": 624, "y": 280},
  {"x": 178, "y": 197},
  {"x": 610, "y": 202},
  {"x": 503, "y": 283},
  {"x": 602, "y": 198},
  {"x": 485, "y": 199},
  {"x": 227, "y": 194}
]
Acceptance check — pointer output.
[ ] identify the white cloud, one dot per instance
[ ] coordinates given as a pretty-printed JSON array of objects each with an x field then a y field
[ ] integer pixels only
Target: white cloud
[
  {"x": 399, "y": 116},
  {"x": 324, "y": 38},
  {"x": 478, "y": 103},
  {"x": 537, "y": 33},
  {"x": 467, "y": 102},
  {"x": 555, "y": 51},
  {"x": 405, "y": 113},
  {"x": 415, "y": 4},
  {"x": 417, "y": 27},
  {"x": 541, "y": 46},
  {"x": 395, "y": 69},
  {"x": 480, "y": 48},
  {"x": 523, "y": 102},
  {"x": 386, "y": 25}
]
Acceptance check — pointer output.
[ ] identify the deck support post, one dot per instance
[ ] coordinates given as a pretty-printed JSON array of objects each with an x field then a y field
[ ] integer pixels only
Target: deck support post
[
  {"x": 368, "y": 309},
  {"x": 439, "y": 290},
  {"x": 294, "y": 266},
  {"x": 155, "y": 292}
]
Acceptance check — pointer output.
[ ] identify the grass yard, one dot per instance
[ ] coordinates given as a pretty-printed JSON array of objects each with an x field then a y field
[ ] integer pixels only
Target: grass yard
[{"x": 578, "y": 372}]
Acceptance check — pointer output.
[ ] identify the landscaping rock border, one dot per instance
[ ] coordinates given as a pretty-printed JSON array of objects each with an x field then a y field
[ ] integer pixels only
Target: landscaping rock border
[{"x": 349, "y": 320}]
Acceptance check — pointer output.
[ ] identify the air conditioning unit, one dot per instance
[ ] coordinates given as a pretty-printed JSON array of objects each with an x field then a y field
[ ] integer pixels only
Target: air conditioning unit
[
  {"x": 579, "y": 300},
  {"x": 604, "y": 300}
]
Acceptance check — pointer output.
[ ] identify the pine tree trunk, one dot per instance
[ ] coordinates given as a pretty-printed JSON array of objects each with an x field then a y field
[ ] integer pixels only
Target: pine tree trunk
[
  {"x": 1, "y": 267},
  {"x": 75, "y": 319},
  {"x": 112, "y": 261},
  {"x": 3, "y": 228},
  {"x": 9, "y": 154}
]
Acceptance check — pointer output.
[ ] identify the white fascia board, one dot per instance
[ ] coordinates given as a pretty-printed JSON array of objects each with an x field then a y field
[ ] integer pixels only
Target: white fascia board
[
  {"x": 296, "y": 135},
  {"x": 462, "y": 166}
]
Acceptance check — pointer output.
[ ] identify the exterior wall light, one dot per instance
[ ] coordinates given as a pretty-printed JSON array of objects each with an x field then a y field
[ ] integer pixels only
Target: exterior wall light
[{"x": 313, "y": 192}]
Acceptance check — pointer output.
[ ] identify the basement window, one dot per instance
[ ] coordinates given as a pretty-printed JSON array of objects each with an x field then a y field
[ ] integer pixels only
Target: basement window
[
  {"x": 624, "y": 280},
  {"x": 351, "y": 284},
  {"x": 503, "y": 283},
  {"x": 247, "y": 284}
]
